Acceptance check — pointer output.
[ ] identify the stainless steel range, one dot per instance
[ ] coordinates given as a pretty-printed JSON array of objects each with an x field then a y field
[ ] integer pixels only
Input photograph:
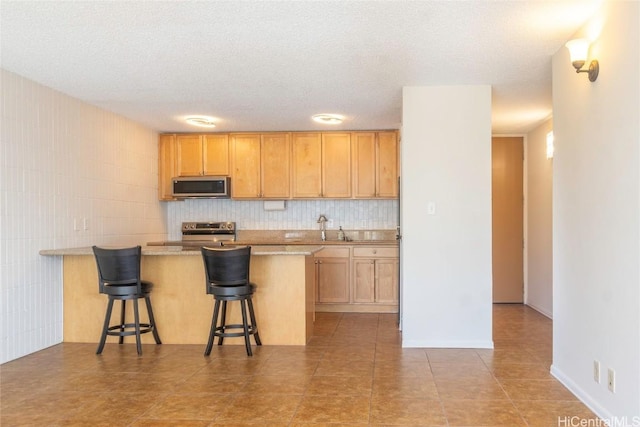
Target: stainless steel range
[{"x": 205, "y": 233}]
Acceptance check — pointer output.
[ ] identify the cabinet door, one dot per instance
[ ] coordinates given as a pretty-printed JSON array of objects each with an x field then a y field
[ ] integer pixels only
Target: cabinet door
[
  {"x": 363, "y": 280},
  {"x": 336, "y": 165},
  {"x": 386, "y": 274},
  {"x": 307, "y": 165},
  {"x": 364, "y": 165},
  {"x": 276, "y": 166},
  {"x": 166, "y": 166},
  {"x": 215, "y": 155},
  {"x": 189, "y": 155},
  {"x": 333, "y": 280},
  {"x": 245, "y": 157},
  {"x": 387, "y": 173}
]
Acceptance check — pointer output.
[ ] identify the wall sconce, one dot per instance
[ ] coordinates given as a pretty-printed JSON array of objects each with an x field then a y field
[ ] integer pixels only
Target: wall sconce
[{"x": 578, "y": 50}]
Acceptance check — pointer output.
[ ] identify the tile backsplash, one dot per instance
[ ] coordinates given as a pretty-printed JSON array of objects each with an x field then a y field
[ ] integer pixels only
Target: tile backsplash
[{"x": 297, "y": 215}]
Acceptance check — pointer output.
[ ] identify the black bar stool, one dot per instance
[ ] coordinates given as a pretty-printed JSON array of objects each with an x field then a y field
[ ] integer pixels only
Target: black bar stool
[
  {"x": 227, "y": 279},
  {"x": 119, "y": 278}
]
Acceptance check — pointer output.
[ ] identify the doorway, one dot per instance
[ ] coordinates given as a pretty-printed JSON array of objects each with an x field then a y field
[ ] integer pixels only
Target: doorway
[{"x": 507, "y": 219}]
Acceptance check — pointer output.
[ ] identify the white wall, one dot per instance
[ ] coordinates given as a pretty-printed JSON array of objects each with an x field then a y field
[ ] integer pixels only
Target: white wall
[
  {"x": 61, "y": 160},
  {"x": 446, "y": 257},
  {"x": 539, "y": 253},
  {"x": 596, "y": 216}
]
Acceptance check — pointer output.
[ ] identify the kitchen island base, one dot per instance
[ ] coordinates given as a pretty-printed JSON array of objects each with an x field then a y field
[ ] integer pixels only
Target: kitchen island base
[{"x": 284, "y": 299}]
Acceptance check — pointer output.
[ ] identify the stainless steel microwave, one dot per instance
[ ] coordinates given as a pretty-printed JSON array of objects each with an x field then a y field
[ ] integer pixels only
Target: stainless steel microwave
[{"x": 201, "y": 187}]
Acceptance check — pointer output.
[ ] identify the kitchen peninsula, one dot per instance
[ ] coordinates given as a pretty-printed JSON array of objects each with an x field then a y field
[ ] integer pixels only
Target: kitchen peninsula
[{"x": 284, "y": 299}]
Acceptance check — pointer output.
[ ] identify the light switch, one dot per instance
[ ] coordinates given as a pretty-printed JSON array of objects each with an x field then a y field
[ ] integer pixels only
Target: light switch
[{"x": 431, "y": 208}]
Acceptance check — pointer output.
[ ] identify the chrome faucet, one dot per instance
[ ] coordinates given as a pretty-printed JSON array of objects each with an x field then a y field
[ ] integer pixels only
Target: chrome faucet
[{"x": 322, "y": 220}]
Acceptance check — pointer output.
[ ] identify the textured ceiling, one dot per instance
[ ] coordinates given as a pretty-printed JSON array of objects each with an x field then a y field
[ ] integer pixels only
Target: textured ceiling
[{"x": 270, "y": 65}]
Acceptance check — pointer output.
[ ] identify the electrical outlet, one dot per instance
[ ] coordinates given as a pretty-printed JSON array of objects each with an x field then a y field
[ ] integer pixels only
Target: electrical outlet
[
  {"x": 611, "y": 380},
  {"x": 85, "y": 224},
  {"x": 431, "y": 208},
  {"x": 596, "y": 371}
]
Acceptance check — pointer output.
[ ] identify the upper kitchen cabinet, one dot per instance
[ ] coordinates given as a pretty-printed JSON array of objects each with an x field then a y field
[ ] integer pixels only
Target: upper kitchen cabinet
[
  {"x": 306, "y": 161},
  {"x": 199, "y": 155},
  {"x": 261, "y": 166},
  {"x": 375, "y": 165},
  {"x": 336, "y": 165},
  {"x": 166, "y": 166},
  {"x": 321, "y": 165},
  {"x": 245, "y": 166},
  {"x": 275, "y": 165}
]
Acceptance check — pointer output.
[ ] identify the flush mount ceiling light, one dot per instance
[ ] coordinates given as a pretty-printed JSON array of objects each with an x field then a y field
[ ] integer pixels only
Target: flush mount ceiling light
[
  {"x": 202, "y": 121},
  {"x": 328, "y": 119},
  {"x": 578, "y": 50}
]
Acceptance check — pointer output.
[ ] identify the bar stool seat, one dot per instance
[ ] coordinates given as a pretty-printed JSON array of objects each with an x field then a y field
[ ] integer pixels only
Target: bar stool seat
[
  {"x": 119, "y": 279},
  {"x": 227, "y": 279}
]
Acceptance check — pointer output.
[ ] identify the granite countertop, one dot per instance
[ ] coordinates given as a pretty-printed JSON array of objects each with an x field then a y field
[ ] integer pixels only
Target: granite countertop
[
  {"x": 264, "y": 242},
  {"x": 305, "y": 237},
  {"x": 261, "y": 250}
]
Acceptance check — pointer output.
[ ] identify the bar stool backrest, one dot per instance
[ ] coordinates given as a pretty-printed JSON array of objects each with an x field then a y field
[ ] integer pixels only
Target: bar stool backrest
[
  {"x": 118, "y": 268},
  {"x": 226, "y": 267}
]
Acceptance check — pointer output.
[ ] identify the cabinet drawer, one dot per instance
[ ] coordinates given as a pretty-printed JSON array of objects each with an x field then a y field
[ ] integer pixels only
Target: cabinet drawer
[
  {"x": 333, "y": 253},
  {"x": 375, "y": 252}
]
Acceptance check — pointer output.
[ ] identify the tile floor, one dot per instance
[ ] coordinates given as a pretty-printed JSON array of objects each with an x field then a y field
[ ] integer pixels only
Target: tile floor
[{"x": 353, "y": 373}]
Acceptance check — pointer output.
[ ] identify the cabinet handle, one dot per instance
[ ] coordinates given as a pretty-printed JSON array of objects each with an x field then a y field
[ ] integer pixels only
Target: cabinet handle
[{"x": 375, "y": 251}]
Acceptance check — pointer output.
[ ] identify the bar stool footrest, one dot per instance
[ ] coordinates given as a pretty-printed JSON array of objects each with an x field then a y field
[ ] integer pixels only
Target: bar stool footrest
[
  {"x": 117, "y": 331},
  {"x": 221, "y": 331}
]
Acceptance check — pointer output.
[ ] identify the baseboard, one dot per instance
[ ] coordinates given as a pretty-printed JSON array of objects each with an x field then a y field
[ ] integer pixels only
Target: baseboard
[
  {"x": 540, "y": 310},
  {"x": 446, "y": 344},
  {"x": 356, "y": 308},
  {"x": 584, "y": 397}
]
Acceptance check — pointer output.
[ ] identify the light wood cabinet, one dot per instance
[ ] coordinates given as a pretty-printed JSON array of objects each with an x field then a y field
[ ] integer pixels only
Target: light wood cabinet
[
  {"x": 336, "y": 165},
  {"x": 375, "y": 164},
  {"x": 321, "y": 165},
  {"x": 357, "y": 279},
  {"x": 306, "y": 160},
  {"x": 332, "y": 275},
  {"x": 166, "y": 166},
  {"x": 364, "y": 165},
  {"x": 375, "y": 275},
  {"x": 275, "y": 166},
  {"x": 387, "y": 169},
  {"x": 245, "y": 160},
  {"x": 283, "y": 165},
  {"x": 261, "y": 166},
  {"x": 215, "y": 155},
  {"x": 199, "y": 155}
]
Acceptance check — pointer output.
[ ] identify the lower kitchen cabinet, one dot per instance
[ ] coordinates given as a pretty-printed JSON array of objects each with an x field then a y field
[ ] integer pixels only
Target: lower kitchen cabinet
[
  {"x": 332, "y": 275},
  {"x": 357, "y": 279},
  {"x": 375, "y": 275}
]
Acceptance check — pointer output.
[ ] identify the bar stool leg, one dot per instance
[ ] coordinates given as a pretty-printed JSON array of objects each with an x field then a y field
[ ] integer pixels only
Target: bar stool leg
[
  {"x": 152, "y": 320},
  {"x": 214, "y": 324},
  {"x": 105, "y": 328},
  {"x": 254, "y": 325},
  {"x": 123, "y": 308},
  {"x": 136, "y": 316},
  {"x": 245, "y": 326},
  {"x": 223, "y": 321}
]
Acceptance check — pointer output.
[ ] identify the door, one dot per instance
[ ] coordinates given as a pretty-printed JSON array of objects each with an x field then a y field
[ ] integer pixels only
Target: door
[{"x": 507, "y": 219}]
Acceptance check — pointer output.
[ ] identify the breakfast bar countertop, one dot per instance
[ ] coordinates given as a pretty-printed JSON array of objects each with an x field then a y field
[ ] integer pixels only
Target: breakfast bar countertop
[{"x": 258, "y": 250}]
